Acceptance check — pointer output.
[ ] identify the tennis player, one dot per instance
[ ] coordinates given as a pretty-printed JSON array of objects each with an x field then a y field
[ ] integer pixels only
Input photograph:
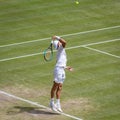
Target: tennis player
[{"x": 59, "y": 73}]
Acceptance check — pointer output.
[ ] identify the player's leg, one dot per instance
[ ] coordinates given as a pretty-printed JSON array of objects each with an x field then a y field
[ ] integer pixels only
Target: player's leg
[
  {"x": 58, "y": 93},
  {"x": 54, "y": 88},
  {"x": 61, "y": 78}
]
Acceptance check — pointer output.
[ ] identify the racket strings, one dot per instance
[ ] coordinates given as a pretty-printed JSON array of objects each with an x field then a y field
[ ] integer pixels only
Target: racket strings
[{"x": 48, "y": 54}]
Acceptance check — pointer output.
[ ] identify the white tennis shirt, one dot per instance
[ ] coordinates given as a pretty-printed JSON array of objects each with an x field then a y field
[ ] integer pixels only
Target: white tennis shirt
[{"x": 61, "y": 57}]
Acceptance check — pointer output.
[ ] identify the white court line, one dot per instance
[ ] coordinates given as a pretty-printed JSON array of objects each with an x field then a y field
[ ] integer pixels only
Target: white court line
[
  {"x": 29, "y": 55},
  {"x": 101, "y": 52},
  {"x": 24, "y": 42},
  {"x": 23, "y": 56},
  {"x": 36, "y": 104},
  {"x": 96, "y": 43},
  {"x": 78, "y": 33}
]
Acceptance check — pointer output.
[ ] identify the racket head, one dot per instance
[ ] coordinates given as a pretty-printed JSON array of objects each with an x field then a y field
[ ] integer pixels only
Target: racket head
[{"x": 48, "y": 53}]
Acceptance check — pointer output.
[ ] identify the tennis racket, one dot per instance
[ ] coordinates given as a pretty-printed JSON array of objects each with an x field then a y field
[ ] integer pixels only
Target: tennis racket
[{"x": 48, "y": 53}]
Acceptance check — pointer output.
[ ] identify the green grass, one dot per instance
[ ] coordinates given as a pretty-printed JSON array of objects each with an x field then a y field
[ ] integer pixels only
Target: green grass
[{"x": 91, "y": 92}]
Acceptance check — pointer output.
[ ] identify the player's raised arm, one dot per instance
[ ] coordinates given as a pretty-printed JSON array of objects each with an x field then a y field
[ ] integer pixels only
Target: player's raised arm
[{"x": 62, "y": 41}]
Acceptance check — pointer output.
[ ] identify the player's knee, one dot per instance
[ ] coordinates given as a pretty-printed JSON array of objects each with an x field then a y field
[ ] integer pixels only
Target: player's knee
[{"x": 60, "y": 87}]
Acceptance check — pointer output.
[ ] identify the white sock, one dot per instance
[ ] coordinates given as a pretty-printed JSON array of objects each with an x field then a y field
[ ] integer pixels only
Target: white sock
[
  {"x": 52, "y": 100},
  {"x": 58, "y": 101}
]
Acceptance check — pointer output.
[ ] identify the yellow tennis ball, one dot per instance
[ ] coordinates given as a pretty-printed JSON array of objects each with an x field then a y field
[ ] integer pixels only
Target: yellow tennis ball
[{"x": 77, "y": 2}]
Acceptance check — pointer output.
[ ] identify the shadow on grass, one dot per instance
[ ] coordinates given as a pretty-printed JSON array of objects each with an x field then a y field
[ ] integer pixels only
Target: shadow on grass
[{"x": 31, "y": 110}]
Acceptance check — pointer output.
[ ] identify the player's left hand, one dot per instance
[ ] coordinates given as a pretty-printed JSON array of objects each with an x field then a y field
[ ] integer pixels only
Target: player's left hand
[{"x": 69, "y": 68}]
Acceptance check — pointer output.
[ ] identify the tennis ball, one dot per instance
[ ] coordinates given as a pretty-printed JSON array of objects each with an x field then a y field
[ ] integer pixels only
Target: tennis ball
[{"x": 77, "y": 2}]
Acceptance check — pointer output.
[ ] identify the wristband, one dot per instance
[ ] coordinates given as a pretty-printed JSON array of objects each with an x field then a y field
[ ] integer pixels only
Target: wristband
[{"x": 58, "y": 38}]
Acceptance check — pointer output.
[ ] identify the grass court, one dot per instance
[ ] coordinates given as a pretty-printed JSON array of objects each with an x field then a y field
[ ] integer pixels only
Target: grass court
[{"x": 92, "y": 31}]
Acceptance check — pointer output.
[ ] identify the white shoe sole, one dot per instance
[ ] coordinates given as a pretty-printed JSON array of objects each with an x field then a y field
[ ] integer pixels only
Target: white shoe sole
[{"x": 59, "y": 110}]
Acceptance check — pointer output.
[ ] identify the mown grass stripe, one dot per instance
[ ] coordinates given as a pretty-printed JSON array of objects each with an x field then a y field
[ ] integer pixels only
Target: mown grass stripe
[
  {"x": 72, "y": 34},
  {"x": 29, "y": 55}
]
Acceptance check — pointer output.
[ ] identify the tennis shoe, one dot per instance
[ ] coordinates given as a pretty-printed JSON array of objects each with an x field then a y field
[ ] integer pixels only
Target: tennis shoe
[
  {"x": 58, "y": 107},
  {"x": 53, "y": 107}
]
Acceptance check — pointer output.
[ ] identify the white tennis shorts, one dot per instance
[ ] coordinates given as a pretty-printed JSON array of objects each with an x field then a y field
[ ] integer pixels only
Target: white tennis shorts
[{"x": 59, "y": 74}]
